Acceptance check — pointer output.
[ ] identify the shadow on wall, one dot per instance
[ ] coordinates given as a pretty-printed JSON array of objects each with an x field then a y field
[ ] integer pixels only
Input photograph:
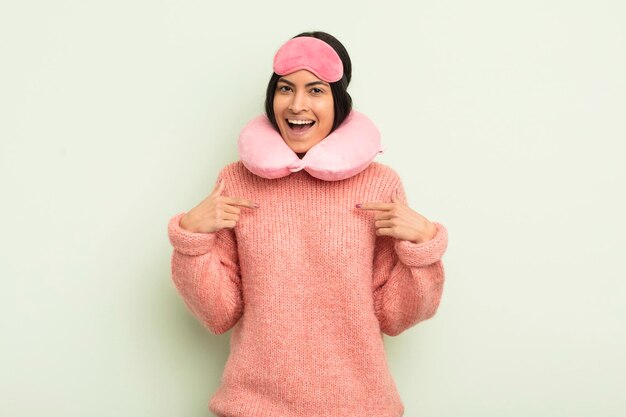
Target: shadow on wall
[{"x": 181, "y": 337}]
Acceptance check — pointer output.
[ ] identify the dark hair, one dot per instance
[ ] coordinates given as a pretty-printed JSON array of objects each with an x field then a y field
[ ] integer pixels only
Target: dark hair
[{"x": 341, "y": 99}]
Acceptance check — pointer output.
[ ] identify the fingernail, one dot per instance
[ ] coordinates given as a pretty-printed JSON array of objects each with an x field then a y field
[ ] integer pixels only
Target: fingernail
[{"x": 358, "y": 205}]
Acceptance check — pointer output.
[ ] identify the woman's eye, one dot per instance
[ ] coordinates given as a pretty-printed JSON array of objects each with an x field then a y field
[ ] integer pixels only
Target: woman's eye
[
  {"x": 283, "y": 88},
  {"x": 317, "y": 91}
]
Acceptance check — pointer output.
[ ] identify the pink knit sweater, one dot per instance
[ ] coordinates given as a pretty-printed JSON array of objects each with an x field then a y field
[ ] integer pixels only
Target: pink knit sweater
[{"x": 310, "y": 289}]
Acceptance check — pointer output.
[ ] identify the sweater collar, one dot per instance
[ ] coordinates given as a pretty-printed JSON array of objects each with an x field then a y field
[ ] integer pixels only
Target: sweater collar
[{"x": 346, "y": 152}]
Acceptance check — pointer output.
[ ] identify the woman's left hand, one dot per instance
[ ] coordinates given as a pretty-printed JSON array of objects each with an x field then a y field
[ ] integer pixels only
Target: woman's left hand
[{"x": 400, "y": 221}]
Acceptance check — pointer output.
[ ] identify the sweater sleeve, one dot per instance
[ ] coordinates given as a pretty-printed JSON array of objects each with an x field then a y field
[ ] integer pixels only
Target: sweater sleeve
[
  {"x": 408, "y": 279},
  {"x": 205, "y": 271}
]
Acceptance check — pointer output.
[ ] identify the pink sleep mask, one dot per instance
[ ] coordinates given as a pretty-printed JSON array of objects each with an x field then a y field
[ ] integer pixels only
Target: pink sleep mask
[
  {"x": 347, "y": 151},
  {"x": 311, "y": 54}
]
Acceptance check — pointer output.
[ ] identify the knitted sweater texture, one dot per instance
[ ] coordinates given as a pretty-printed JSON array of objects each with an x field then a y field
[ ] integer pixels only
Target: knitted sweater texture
[{"x": 309, "y": 290}]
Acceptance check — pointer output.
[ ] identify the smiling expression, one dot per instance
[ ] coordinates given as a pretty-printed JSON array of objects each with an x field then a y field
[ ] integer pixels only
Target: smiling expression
[{"x": 304, "y": 110}]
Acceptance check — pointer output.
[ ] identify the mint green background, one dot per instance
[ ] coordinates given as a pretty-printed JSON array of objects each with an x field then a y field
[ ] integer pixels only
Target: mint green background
[{"x": 505, "y": 120}]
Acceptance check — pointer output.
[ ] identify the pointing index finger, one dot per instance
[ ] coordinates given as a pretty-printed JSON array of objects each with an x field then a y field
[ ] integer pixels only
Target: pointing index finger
[
  {"x": 237, "y": 201},
  {"x": 374, "y": 205}
]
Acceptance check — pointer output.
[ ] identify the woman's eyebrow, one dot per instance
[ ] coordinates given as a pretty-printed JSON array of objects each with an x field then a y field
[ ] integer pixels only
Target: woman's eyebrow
[
  {"x": 317, "y": 82},
  {"x": 306, "y": 85}
]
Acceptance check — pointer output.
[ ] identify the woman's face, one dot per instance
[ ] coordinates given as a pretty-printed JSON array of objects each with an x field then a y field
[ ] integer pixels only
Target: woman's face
[{"x": 304, "y": 110}]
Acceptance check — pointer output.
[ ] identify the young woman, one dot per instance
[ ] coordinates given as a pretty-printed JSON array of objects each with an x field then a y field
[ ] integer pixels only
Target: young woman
[{"x": 307, "y": 249}]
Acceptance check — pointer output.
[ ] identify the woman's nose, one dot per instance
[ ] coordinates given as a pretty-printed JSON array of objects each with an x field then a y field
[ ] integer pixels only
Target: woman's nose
[{"x": 298, "y": 103}]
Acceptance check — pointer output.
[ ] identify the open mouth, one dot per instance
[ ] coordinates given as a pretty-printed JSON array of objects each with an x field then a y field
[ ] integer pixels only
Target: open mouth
[{"x": 300, "y": 126}]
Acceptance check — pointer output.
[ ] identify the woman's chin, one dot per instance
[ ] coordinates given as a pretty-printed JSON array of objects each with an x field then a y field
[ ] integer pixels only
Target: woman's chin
[
  {"x": 297, "y": 147},
  {"x": 301, "y": 147}
]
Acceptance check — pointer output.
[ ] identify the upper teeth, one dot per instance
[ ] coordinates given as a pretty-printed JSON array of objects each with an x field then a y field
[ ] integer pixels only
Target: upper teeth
[{"x": 300, "y": 122}]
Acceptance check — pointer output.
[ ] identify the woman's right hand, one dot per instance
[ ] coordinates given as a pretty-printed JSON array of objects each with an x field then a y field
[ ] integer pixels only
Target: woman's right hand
[{"x": 215, "y": 212}]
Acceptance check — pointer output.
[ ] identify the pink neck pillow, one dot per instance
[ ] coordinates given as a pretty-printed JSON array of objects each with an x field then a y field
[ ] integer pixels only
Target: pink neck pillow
[{"x": 344, "y": 153}]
